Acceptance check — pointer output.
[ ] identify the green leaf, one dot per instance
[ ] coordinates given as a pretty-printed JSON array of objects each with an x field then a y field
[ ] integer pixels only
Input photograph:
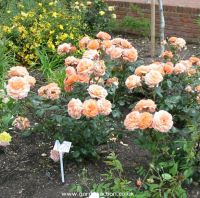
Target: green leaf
[{"x": 166, "y": 176}]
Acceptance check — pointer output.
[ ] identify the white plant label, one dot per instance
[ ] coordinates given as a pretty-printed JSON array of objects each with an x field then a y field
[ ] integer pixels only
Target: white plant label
[{"x": 62, "y": 148}]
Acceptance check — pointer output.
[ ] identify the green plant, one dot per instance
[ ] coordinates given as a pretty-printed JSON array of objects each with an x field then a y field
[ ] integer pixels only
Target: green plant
[
  {"x": 113, "y": 181},
  {"x": 138, "y": 24},
  {"x": 96, "y": 14},
  {"x": 52, "y": 23}
]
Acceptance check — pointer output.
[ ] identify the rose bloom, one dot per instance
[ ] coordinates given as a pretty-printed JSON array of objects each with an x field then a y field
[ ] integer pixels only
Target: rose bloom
[
  {"x": 116, "y": 41},
  {"x": 172, "y": 39},
  {"x": 114, "y": 52},
  {"x": 91, "y": 54},
  {"x": 21, "y": 123},
  {"x": 70, "y": 71},
  {"x": 180, "y": 43},
  {"x": 83, "y": 78},
  {"x": 198, "y": 63},
  {"x": 189, "y": 89},
  {"x": 18, "y": 88},
  {"x": 85, "y": 66},
  {"x": 90, "y": 108},
  {"x": 50, "y": 91},
  {"x": 112, "y": 81},
  {"x": 145, "y": 120},
  {"x": 133, "y": 81},
  {"x": 180, "y": 68},
  {"x": 84, "y": 41},
  {"x": 97, "y": 91},
  {"x": 64, "y": 48},
  {"x": 53, "y": 91},
  {"x": 18, "y": 71},
  {"x": 130, "y": 55},
  {"x": 145, "y": 105},
  {"x": 75, "y": 107},
  {"x": 71, "y": 61},
  {"x": 142, "y": 70},
  {"x": 157, "y": 66},
  {"x": 54, "y": 155},
  {"x": 132, "y": 120},
  {"x": 5, "y": 139},
  {"x": 194, "y": 60},
  {"x": 191, "y": 71},
  {"x": 106, "y": 44},
  {"x": 162, "y": 121},
  {"x": 167, "y": 54},
  {"x": 126, "y": 44},
  {"x": 104, "y": 106},
  {"x": 197, "y": 88},
  {"x": 93, "y": 44},
  {"x": 168, "y": 68},
  {"x": 103, "y": 36},
  {"x": 69, "y": 81},
  {"x": 153, "y": 78},
  {"x": 31, "y": 80},
  {"x": 99, "y": 68}
]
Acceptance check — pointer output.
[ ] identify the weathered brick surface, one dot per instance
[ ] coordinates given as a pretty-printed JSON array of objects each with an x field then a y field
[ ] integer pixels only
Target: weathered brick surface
[{"x": 180, "y": 21}]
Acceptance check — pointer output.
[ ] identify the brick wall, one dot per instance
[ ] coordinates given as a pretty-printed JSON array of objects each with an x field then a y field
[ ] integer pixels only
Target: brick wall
[{"x": 180, "y": 21}]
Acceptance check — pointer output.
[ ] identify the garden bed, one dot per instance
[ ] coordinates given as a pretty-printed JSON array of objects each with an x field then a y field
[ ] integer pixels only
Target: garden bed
[{"x": 27, "y": 170}]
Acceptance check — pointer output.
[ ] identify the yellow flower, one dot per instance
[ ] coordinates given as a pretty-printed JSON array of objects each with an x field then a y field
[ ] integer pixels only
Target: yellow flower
[
  {"x": 8, "y": 11},
  {"x": 51, "y": 45},
  {"x": 61, "y": 27},
  {"x": 55, "y": 14},
  {"x": 6, "y": 29},
  {"x": 40, "y": 4},
  {"x": 63, "y": 36},
  {"x": 5, "y": 137},
  {"x": 51, "y": 3},
  {"x": 71, "y": 36},
  {"x": 52, "y": 31},
  {"x": 24, "y": 14},
  {"x": 101, "y": 13}
]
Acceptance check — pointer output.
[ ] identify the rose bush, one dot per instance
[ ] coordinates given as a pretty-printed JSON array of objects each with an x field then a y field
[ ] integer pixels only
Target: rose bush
[{"x": 101, "y": 84}]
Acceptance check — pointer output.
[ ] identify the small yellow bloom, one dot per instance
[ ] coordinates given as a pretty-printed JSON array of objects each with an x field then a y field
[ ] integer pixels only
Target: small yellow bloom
[
  {"x": 8, "y": 11},
  {"x": 24, "y": 14},
  {"x": 55, "y": 14},
  {"x": 63, "y": 36},
  {"x": 5, "y": 137},
  {"x": 51, "y": 3},
  {"x": 40, "y": 4},
  {"x": 61, "y": 27},
  {"x": 101, "y": 13}
]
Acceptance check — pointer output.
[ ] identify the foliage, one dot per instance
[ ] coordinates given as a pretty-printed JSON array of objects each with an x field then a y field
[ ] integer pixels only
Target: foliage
[
  {"x": 138, "y": 24},
  {"x": 97, "y": 15},
  {"x": 49, "y": 23},
  {"x": 155, "y": 182}
]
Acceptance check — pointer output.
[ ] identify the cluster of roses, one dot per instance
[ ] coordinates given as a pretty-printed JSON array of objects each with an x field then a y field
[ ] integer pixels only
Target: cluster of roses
[
  {"x": 90, "y": 65},
  {"x": 174, "y": 43},
  {"x": 153, "y": 74},
  {"x": 142, "y": 117},
  {"x": 91, "y": 107},
  {"x": 19, "y": 82}
]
